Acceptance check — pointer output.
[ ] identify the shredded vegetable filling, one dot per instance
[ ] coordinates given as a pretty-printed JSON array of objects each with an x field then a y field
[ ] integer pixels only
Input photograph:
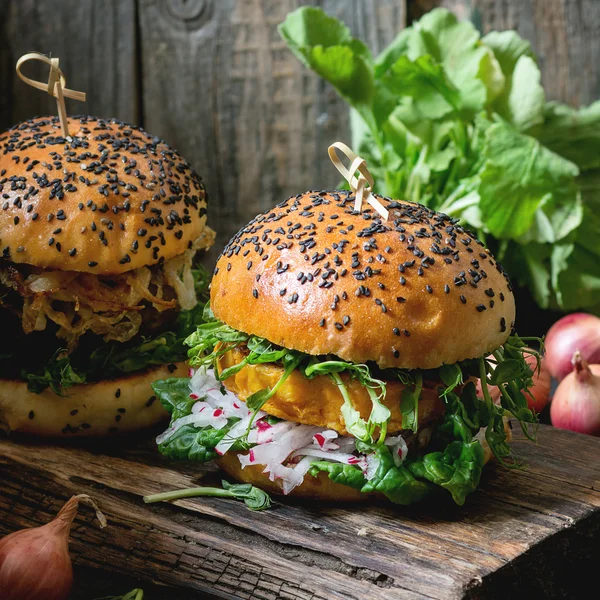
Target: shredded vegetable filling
[{"x": 286, "y": 450}]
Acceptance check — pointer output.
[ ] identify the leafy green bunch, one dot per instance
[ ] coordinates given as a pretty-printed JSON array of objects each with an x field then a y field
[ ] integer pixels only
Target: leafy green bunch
[{"x": 460, "y": 123}]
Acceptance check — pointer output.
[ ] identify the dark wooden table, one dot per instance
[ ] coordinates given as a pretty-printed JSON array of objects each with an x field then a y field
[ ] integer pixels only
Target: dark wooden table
[{"x": 532, "y": 531}]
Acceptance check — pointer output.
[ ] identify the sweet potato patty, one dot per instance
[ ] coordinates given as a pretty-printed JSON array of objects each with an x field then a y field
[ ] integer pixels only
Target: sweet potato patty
[{"x": 318, "y": 401}]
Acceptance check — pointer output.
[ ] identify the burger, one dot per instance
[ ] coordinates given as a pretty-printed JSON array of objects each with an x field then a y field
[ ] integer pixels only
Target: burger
[
  {"x": 341, "y": 353},
  {"x": 98, "y": 234}
]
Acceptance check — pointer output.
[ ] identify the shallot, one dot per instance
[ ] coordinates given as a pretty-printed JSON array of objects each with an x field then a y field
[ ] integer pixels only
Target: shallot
[
  {"x": 576, "y": 402},
  {"x": 538, "y": 393},
  {"x": 35, "y": 563},
  {"x": 578, "y": 331}
]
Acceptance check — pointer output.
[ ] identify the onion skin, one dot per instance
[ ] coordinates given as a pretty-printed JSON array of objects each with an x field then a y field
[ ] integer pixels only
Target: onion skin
[
  {"x": 576, "y": 402},
  {"x": 578, "y": 331}
]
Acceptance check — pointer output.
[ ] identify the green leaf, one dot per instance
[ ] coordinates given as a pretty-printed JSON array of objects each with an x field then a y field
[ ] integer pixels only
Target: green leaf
[
  {"x": 397, "y": 483},
  {"x": 519, "y": 177},
  {"x": 572, "y": 133},
  {"x": 409, "y": 404},
  {"x": 451, "y": 375},
  {"x": 455, "y": 46},
  {"x": 456, "y": 469},
  {"x": 307, "y": 27},
  {"x": 58, "y": 374},
  {"x": 349, "y": 475},
  {"x": 393, "y": 52},
  {"x": 257, "y": 400},
  {"x": 508, "y": 370},
  {"x": 193, "y": 443},
  {"x": 174, "y": 395},
  {"x": 325, "y": 45},
  {"x": 576, "y": 276},
  {"x": 425, "y": 81},
  {"x": 523, "y": 99},
  {"x": 508, "y": 47},
  {"x": 253, "y": 497}
]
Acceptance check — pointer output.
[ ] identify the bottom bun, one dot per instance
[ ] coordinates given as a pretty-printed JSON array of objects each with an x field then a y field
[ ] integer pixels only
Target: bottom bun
[
  {"x": 93, "y": 409},
  {"x": 319, "y": 487}
]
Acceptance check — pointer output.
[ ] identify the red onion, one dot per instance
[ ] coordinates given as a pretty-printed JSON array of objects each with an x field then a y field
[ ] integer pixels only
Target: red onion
[
  {"x": 578, "y": 331},
  {"x": 576, "y": 402},
  {"x": 35, "y": 563}
]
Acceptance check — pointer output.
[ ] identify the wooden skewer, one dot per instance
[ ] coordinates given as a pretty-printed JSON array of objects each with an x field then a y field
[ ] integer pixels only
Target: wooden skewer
[
  {"x": 54, "y": 87},
  {"x": 362, "y": 185}
]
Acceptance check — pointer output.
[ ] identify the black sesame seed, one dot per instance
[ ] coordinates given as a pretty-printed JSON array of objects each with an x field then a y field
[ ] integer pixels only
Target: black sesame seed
[
  {"x": 400, "y": 299},
  {"x": 463, "y": 299},
  {"x": 480, "y": 307},
  {"x": 255, "y": 293}
]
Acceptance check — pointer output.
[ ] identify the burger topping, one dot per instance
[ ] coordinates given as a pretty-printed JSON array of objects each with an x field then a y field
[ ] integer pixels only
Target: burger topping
[
  {"x": 208, "y": 420},
  {"x": 110, "y": 306},
  {"x": 507, "y": 367},
  {"x": 286, "y": 450}
]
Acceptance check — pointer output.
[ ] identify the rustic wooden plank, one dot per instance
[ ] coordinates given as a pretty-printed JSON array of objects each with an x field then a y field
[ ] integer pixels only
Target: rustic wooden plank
[
  {"x": 431, "y": 551},
  {"x": 96, "y": 44},
  {"x": 221, "y": 86},
  {"x": 565, "y": 34}
]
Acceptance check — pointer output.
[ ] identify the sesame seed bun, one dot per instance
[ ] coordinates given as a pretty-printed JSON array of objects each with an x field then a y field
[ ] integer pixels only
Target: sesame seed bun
[
  {"x": 319, "y": 487},
  {"x": 108, "y": 199},
  {"x": 93, "y": 409},
  {"x": 416, "y": 291}
]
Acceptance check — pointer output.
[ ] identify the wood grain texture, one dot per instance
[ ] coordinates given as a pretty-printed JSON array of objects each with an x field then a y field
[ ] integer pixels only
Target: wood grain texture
[
  {"x": 220, "y": 85},
  {"x": 96, "y": 44},
  {"x": 565, "y": 35},
  {"x": 533, "y": 531}
]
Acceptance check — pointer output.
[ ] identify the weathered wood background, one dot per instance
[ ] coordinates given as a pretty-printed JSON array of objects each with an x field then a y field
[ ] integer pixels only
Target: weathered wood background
[{"x": 213, "y": 78}]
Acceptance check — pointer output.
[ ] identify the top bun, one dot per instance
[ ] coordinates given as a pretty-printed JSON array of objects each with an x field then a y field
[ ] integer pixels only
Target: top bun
[
  {"x": 107, "y": 199},
  {"x": 416, "y": 291}
]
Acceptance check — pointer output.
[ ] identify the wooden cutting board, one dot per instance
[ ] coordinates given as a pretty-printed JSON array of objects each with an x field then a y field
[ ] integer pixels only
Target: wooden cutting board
[{"x": 530, "y": 532}]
